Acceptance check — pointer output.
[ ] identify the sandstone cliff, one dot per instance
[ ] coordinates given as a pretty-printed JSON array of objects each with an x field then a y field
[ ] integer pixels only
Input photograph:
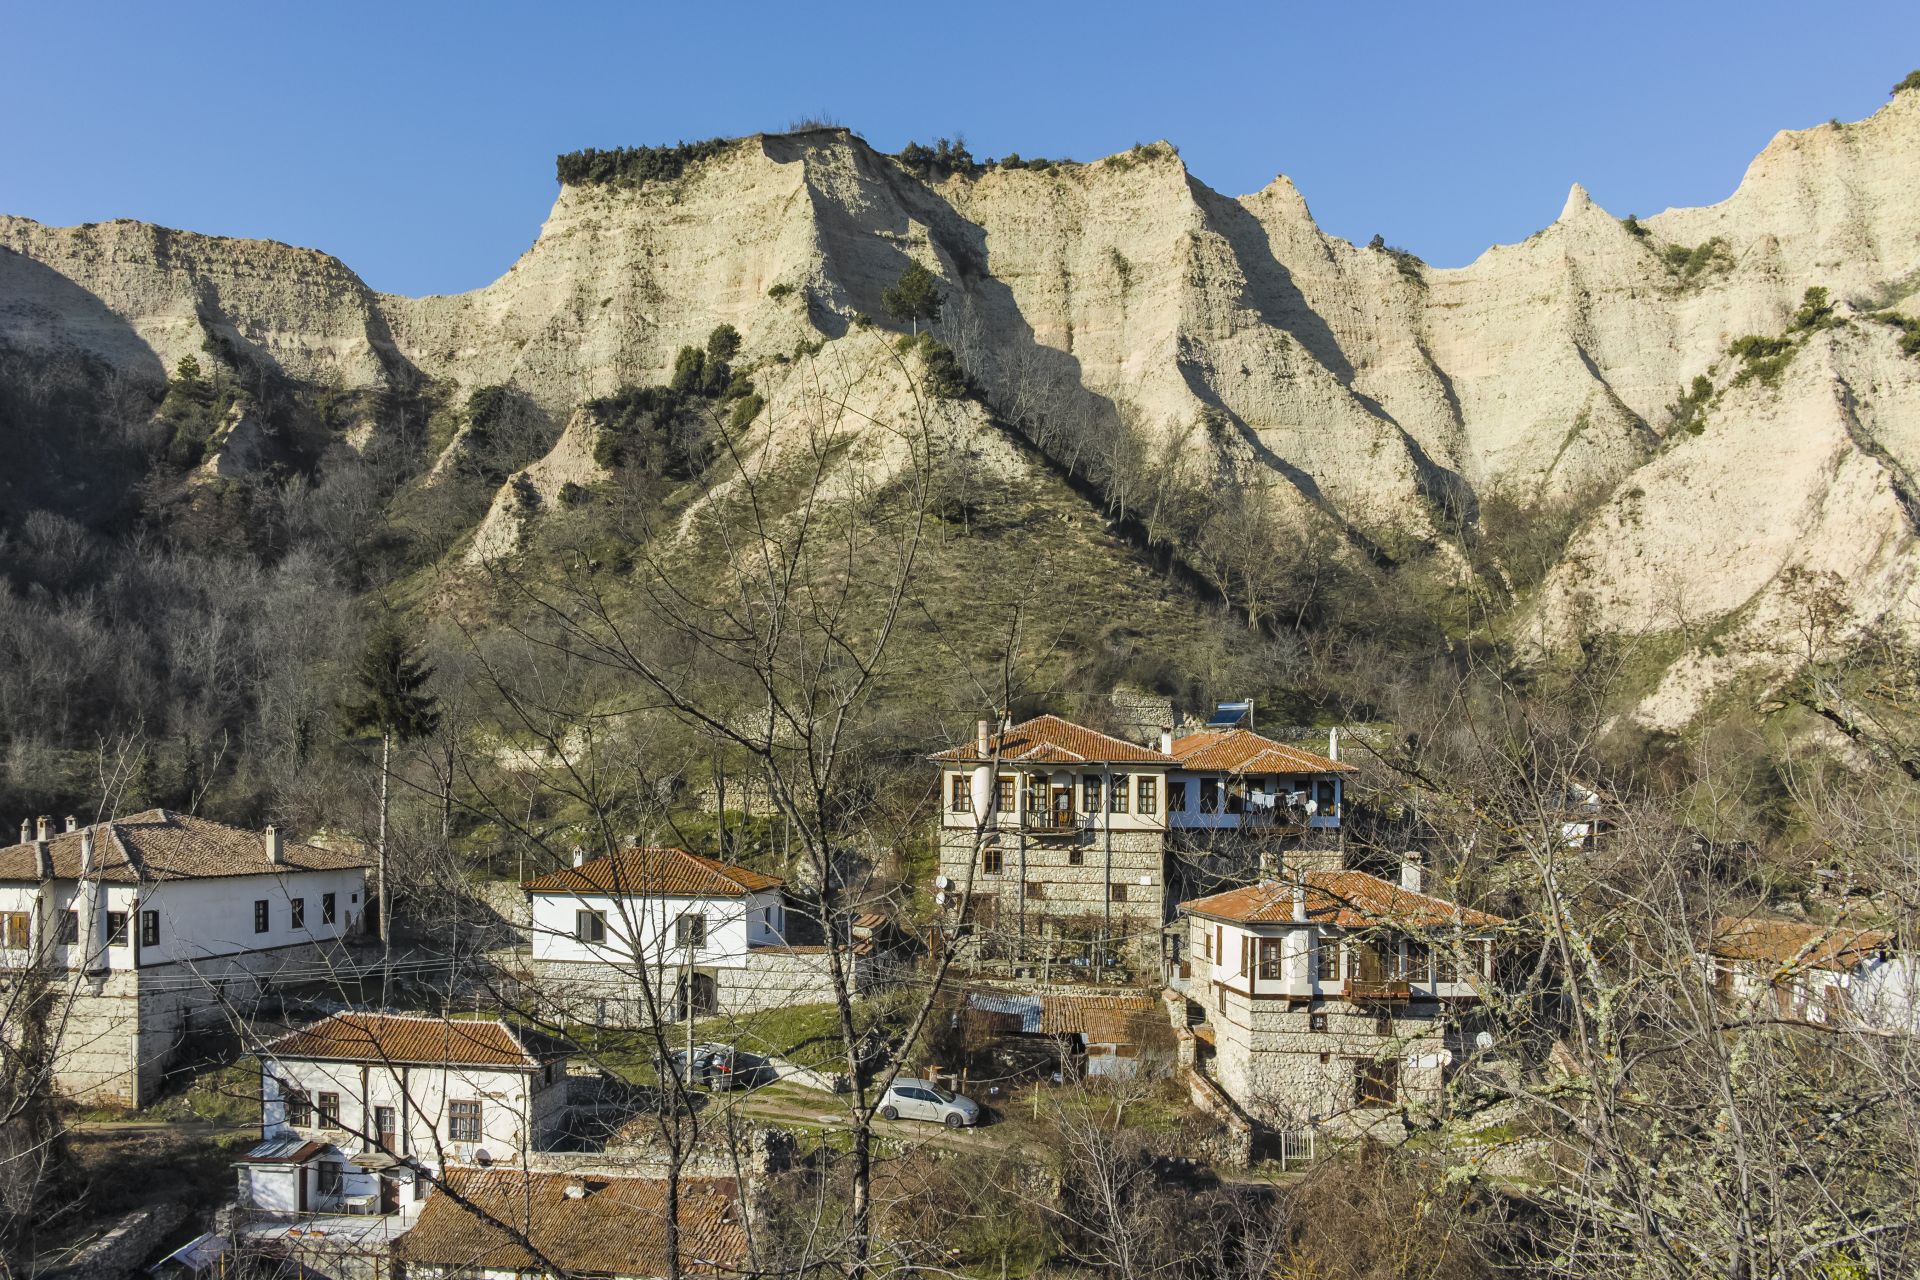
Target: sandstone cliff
[{"x": 1346, "y": 384}]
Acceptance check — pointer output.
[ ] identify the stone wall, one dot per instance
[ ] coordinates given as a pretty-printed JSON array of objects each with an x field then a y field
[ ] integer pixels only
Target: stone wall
[
  {"x": 1065, "y": 888},
  {"x": 772, "y": 978}
]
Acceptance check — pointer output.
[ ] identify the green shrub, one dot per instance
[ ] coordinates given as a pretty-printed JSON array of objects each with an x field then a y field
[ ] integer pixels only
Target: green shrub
[
  {"x": 1689, "y": 412},
  {"x": 666, "y": 430},
  {"x": 575, "y": 495},
  {"x": 1632, "y": 223},
  {"x": 745, "y": 410},
  {"x": 723, "y": 343},
  {"x": 944, "y": 158},
  {"x": 945, "y": 379},
  {"x": 1691, "y": 264},
  {"x": 1911, "y": 82},
  {"x": 1762, "y": 358},
  {"x": 779, "y": 291},
  {"x": 1816, "y": 311},
  {"x": 1908, "y": 326},
  {"x": 632, "y": 166}
]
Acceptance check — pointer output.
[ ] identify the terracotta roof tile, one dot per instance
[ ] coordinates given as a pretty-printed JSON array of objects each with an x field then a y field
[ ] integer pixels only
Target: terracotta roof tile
[
  {"x": 1102, "y": 1019},
  {"x": 1792, "y": 944},
  {"x": 1244, "y": 751},
  {"x": 162, "y": 845},
  {"x": 618, "y": 1228},
  {"x": 1347, "y": 899},
  {"x": 655, "y": 872},
  {"x": 1051, "y": 740},
  {"x": 419, "y": 1040}
]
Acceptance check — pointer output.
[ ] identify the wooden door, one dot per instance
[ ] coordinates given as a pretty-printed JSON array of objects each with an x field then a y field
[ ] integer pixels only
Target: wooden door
[
  {"x": 1063, "y": 806},
  {"x": 1369, "y": 966}
]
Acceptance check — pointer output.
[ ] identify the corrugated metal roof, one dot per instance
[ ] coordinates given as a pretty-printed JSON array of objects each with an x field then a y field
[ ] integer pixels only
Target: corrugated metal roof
[{"x": 288, "y": 1149}]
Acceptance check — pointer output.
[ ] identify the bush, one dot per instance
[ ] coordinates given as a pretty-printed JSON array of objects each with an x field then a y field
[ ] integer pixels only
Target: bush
[
  {"x": 1689, "y": 412},
  {"x": 1690, "y": 264},
  {"x": 745, "y": 410},
  {"x": 1909, "y": 331},
  {"x": 575, "y": 495},
  {"x": 1632, "y": 223},
  {"x": 944, "y": 158},
  {"x": 1815, "y": 312},
  {"x": 780, "y": 291},
  {"x": 1911, "y": 82},
  {"x": 946, "y": 380},
  {"x": 1764, "y": 358},
  {"x": 632, "y": 166}
]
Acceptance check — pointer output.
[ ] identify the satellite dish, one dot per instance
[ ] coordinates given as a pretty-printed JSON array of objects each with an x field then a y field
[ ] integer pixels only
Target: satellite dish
[
  {"x": 940, "y": 882},
  {"x": 483, "y": 1157},
  {"x": 1483, "y": 1041}
]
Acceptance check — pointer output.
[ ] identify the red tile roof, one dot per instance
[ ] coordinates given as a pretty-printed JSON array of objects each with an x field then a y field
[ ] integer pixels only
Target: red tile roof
[
  {"x": 417, "y": 1040},
  {"x": 1051, "y": 740},
  {"x": 1791, "y": 944},
  {"x": 1102, "y": 1019},
  {"x": 618, "y": 1228},
  {"x": 1347, "y": 899},
  {"x": 1244, "y": 751},
  {"x": 655, "y": 873},
  {"x": 162, "y": 845}
]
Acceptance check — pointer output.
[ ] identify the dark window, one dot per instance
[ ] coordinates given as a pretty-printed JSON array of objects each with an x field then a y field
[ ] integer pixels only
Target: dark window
[
  {"x": 590, "y": 926},
  {"x": 1446, "y": 965},
  {"x": 962, "y": 797},
  {"x": 299, "y": 1107},
  {"x": 329, "y": 1105},
  {"x": 1003, "y": 793},
  {"x": 1383, "y": 1024},
  {"x": 1034, "y": 890},
  {"x": 331, "y": 1179},
  {"x": 149, "y": 928},
  {"x": 385, "y": 1128},
  {"x": 298, "y": 918},
  {"x": 1119, "y": 793},
  {"x": 1270, "y": 959},
  {"x": 260, "y": 917},
  {"x": 991, "y": 860},
  {"x": 1317, "y": 1022},
  {"x": 116, "y": 928},
  {"x": 1323, "y": 794},
  {"x": 690, "y": 930},
  {"x": 1209, "y": 795},
  {"x": 1176, "y": 797},
  {"x": 1090, "y": 793},
  {"x": 329, "y": 903},
  {"x": 463, "y": 1121},
  {"x": 1076, "y": 855},
  {"x": 17, "y": 927},
  {"x": 1376, "y": 1084},
  {"x": 69, "y": 928},
  {"x": 1418, "y": 962},
  {"x": 1327, "y": 958},
  {"x": 1116, "y": 892},
  {"x": 1148, "y": 795}
]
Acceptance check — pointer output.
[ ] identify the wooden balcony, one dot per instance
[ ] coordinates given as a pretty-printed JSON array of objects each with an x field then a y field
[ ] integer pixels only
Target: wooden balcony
[
  {"x": 1378, "y": 990},
  {"x": 1051, "y": 824}
]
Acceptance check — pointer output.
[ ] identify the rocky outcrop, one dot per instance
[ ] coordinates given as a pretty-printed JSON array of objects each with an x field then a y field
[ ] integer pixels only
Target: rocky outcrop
[{"x": 1242, "y": 342}]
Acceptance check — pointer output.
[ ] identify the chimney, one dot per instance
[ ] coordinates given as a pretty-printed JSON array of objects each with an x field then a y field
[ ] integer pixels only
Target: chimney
[
  {"x": 1410, "y": 877},
  {"x": 1166, "y": 742},
  {"x": 26, "y": 831},
  {"x": 1300, "y": 902},
  {"x": 276, "y": 848},
  {"x": 86, "y": 852},
  {"x": 579, "y": 856},
  {"x": 1333, "y": 744},
  {"x": 42, "y": 856},
  {"x": 45, "y": 828},
  {"x": 983, "y": 739},
  {"x": 73, "y": 823},
  {"x": 576, "y": 1191}
]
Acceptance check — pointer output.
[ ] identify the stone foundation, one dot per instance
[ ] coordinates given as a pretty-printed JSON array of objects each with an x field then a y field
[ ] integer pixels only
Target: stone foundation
[{"x": 772, "y": 978}]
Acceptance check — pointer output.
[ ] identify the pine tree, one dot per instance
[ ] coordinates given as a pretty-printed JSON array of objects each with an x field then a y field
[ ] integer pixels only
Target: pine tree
[
  {"x": 914, "y": 297},
  {"x": 396, "y": 706}
]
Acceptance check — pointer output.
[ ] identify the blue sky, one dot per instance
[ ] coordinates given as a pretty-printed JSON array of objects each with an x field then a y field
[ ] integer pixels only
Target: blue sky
[{"x": 416, "y": 140}]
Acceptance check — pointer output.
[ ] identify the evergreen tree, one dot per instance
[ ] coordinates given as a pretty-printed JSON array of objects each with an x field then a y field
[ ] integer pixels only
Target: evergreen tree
[
  {"x": 395, "y": 705},
  {"x": 914, "y": 297}
]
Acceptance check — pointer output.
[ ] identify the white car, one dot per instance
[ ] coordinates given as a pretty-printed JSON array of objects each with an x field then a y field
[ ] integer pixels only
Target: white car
[{"x": 910, "y": 1099}]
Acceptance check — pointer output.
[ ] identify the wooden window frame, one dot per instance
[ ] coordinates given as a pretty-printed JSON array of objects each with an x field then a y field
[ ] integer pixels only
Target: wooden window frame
[
  {"x": 296, "y": 913},
  {"x": 1117, "y": 891},
  {"x": 1076, "y": 855},
  {"x": 1005, "y": 790},
  {"x": 262, "y": 915},
  {"x": 69, "y": 928},
  {"x": 1272, "y": 960},
  {"x": 1147, "y": 799},
  {"x": 1326, "y": 958},
  {"x": 329, "y": 908},
  {"x": 960, "y": 798},
  {"x": 16, "y": 930},
  {"x": 1034, "y": 891},
  {"x": 690, "y": 930},
  {"x": 386, "y": 1128},
  {"x": 1090, "y": 793},
  {"x": 326, "y": 1105},
  {"x": 299, "y": 1106},
  {"x": 1376, "y": 1083},
  {"x": 1317, "y": 1021},
  {"x": 118, "y": 933},
  {"x": 993, "y": 860},
  {"x": 1120, "y": 793},
  {"x": 464, "y": 1117},
  {"x": 149, "y": 928},
  {"x": 593, "y": 934}
]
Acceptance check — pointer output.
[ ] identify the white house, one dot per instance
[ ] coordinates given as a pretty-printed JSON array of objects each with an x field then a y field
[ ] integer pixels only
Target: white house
[
  {"x": 1237, "y": 780},
  {"x": 1334, "y": 994},
  {"x": 1826, "y": 973},
  {"x": 151, "y": 924},
  {"x": 706, "y": 936},
  {"x": 352, "y": 1104}
]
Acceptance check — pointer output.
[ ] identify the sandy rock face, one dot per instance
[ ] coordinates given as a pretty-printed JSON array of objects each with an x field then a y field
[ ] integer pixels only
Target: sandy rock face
[{"x": 1241, "y": 342}]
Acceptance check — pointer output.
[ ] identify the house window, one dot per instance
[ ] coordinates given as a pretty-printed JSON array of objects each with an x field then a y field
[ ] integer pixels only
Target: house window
[
  {"x": 1076, "y": 855},
  {"x": 1418, "y": 962},
  {"x": 1482, "y": 954},
  {"x": 330, "y": 1180},
  {"x": 1383, "y": 1024},
  {"x": 1176, "y": 797},
  {"x": 1446, "y": 965},
  {"x": 299, "y": 1107},
  {"x": 149, "y": 928},
  {"x": 1116, "y": 892},
  {"x": 590, "y": 926},
  {"x": 1118, "y": 795},
  {"x": 116, "y": 928},
  {"x": 386, "y": 1130},
  {"x": 1324, "y": 795},
  {"x": 690, "y": 930},
  {"x": 1209, "y": 795},
  {"x": 329, "y": 907},
  {"x": 463, "y": 1121},
  {"x": 18, "y": 928},
  {"x": 1148, "y": 795},
  {"x": 329, "y": 1106},
  {"x": 1327, "y": 958},
  {"x": 69, "y": 928},
  {"x": 961, "y": 798},
  {"x": 1003, "y": 793},
  {"x": 1034, "y": 890},
  {"x": 260, "y": 915},
  {"x": 1376, "y": 1084},
  {"x": 1317, "y": 1022},
  {"x": 298, "y": 918},
  {"x": 1270, "y": 959},
  {"x": 991, "y": 859},
  {"x": 1090, "y": 793}
]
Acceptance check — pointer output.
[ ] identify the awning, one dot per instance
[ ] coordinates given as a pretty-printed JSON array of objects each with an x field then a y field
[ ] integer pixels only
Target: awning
[{"x": 287, "y": 1150}]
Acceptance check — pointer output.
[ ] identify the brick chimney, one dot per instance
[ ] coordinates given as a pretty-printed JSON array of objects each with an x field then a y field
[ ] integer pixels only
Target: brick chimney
[
  {"x": 276, "y": 847},
  {"x": 983, "y": 738}
]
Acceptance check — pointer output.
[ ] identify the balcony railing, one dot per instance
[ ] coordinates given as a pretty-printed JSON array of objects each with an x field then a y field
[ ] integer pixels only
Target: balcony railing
[
  {"x": 1378, "y": 990},
  {"x": 1055, "y": 824}
]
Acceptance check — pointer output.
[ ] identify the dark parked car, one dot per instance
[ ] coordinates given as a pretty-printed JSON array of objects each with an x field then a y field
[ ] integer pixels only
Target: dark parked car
[{"x": 717, "y": 1066}]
